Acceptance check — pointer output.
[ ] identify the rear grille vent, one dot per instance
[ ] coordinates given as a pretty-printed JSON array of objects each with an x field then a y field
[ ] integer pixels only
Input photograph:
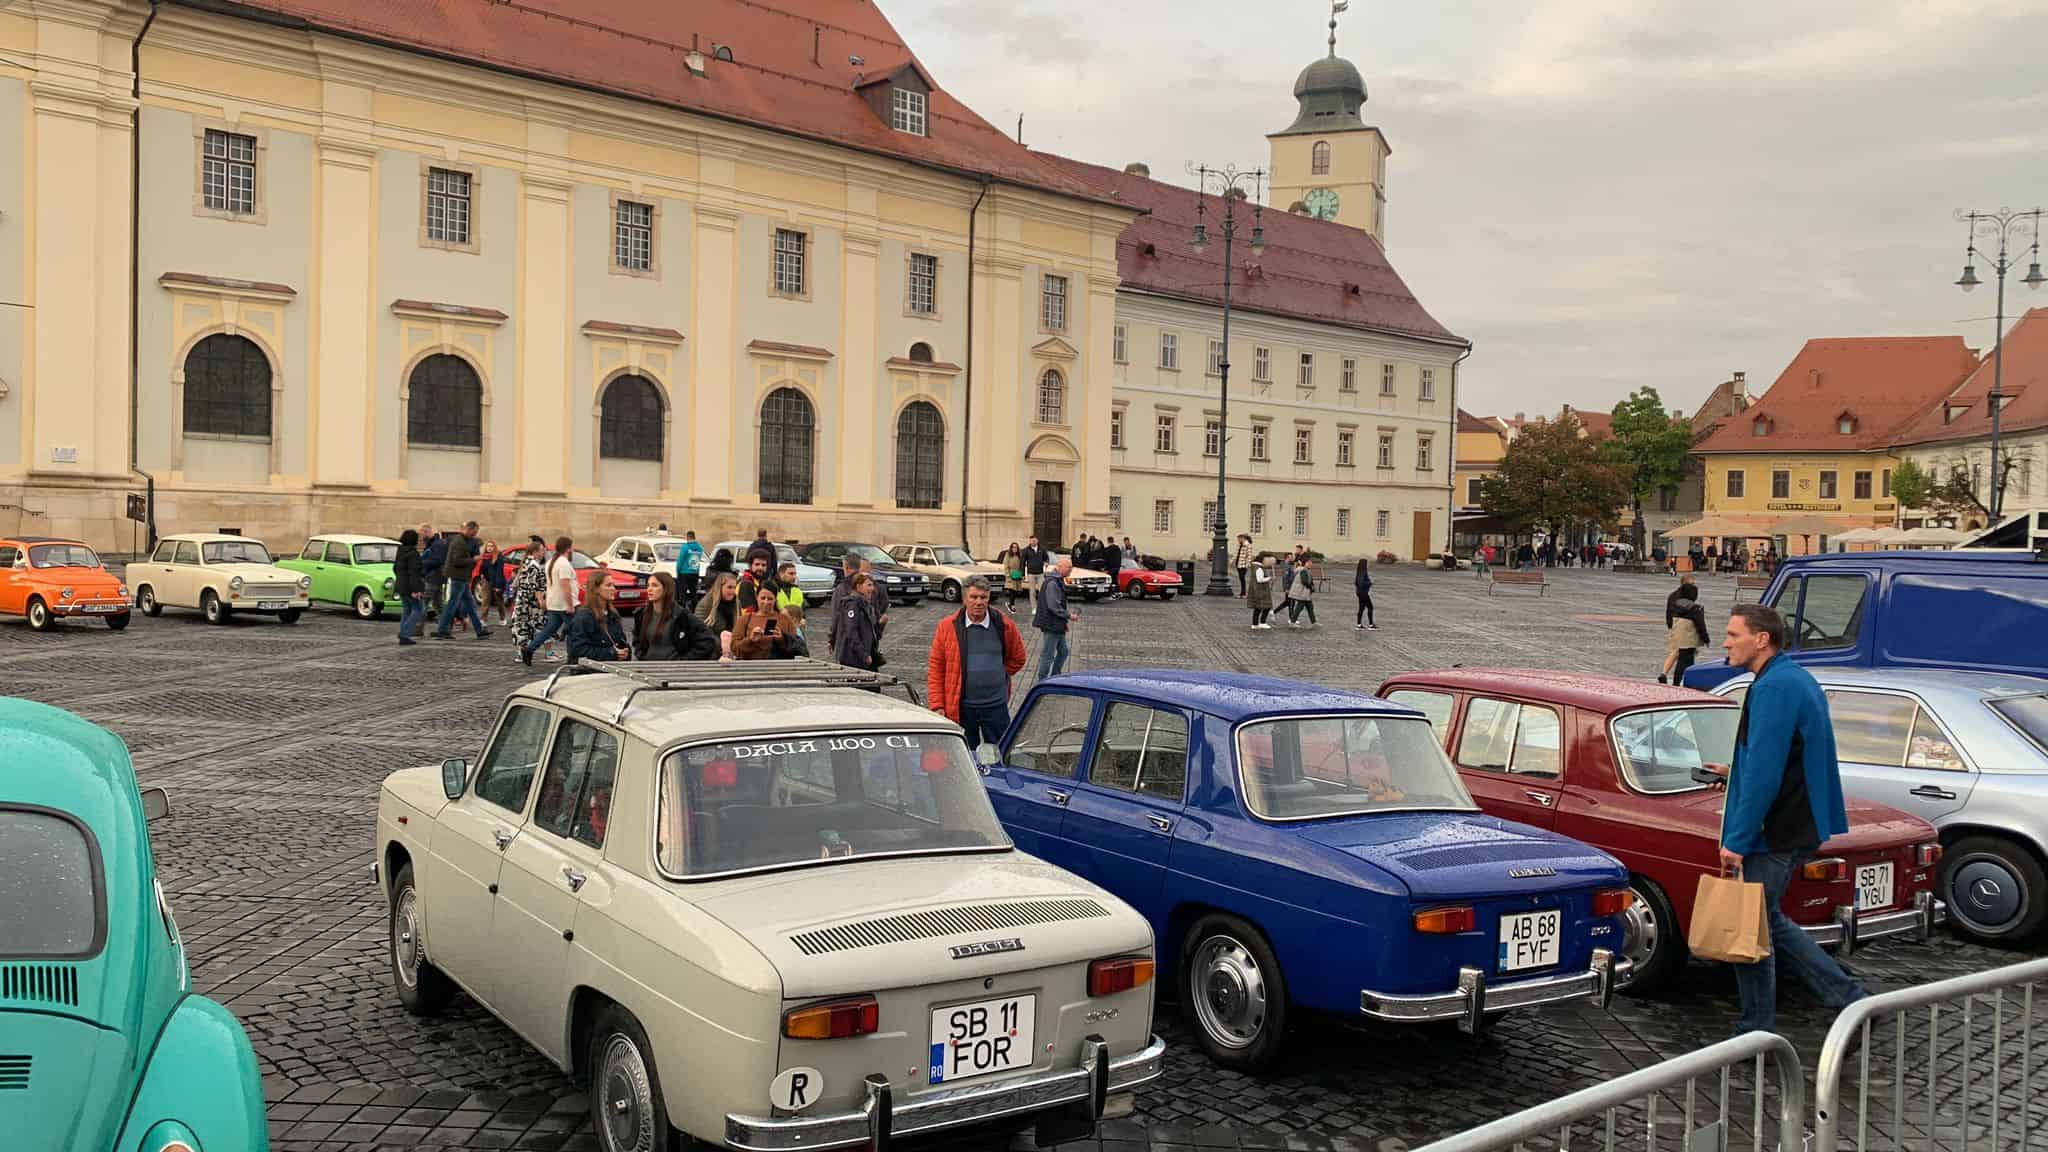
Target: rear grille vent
[
  {"x": 13, "y": 1072},
  {"x": 942, "y": 922},
  {"x": 1481, "y": 854},
  {"x": 39, "y": 983}
]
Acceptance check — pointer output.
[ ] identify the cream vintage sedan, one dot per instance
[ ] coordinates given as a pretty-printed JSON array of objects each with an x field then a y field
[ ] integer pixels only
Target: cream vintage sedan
[
  {"x": 219, "y": 575},
  {"x": 763, "y": 907}
]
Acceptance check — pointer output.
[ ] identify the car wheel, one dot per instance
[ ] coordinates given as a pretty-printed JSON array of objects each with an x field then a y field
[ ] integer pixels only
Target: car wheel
[
  {"x": 39, "y": 617},
  {"x": 1650, "y": 939},
  {"x": 1995, "y": 888},
  {"x": 1135, "y": 590},
  {"x": 625, "y": 1091},
  {"x": 422, "y": 988},
  {"x": 145, "y": 599},
  {"x": 118, "y": 622},
  {"x": 289, "y": 616},
  {"x": 210, "y": 604},
  {"x": 366, "y": 605},
  {"x": 1168, "y": 594},
  {"x": 1232, "y": 987},
  {"x": 951, "y": 591}
]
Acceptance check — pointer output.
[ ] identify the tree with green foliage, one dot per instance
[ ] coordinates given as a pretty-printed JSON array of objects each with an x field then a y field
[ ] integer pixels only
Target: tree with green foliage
[
  {"x": 1651, "y": 444},
  {"x": 1554, "y": 477},
  {"x": 1910, "y": 485}
]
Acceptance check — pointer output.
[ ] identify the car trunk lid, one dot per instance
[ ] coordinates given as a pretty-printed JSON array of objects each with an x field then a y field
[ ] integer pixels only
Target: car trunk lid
[
  {"x": 64, "y": 1082},
  {"x": 1466, "y": 856}
]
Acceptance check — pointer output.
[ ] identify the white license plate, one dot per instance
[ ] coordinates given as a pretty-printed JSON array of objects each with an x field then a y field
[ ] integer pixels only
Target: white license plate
[
  {"x": 103, "y": 608},
  {"x": 1530, "y": 940},
  {"x": 267, "y": 605},
  {"x": 1873, "y": 887},
  {"x": 982, "y": 1038}
]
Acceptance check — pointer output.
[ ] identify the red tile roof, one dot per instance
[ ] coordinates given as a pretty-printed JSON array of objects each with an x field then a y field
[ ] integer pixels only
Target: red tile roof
[
  {"x": 1311, "y": 269},
  {"x": 1880, "y": 382},
  {"x": 1467, "y": 422},
  {"x": 2025, "y": 386},
  {"x": 791, "y": 69},
  {"x": 1596, "y": 424}
]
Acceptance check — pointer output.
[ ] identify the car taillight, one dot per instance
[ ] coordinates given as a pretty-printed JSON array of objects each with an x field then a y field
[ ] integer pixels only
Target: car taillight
[
  {"x": 1118, "y": 974},
  {"x": 1825, "y": 868},
  {"x": 1927, "y": 855},
  {"x": 1447, "y": 921},
  {"x": 1612, "y": 901},
  {"x": 833, "y": 1019}
]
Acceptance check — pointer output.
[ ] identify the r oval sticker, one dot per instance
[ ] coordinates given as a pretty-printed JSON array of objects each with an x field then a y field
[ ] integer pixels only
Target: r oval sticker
[{"x": 796, "y": 1089}]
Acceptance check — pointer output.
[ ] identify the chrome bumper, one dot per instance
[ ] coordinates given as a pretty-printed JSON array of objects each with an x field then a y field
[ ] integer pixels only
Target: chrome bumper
[
  {"x": 1475, "y": 998},
  {"x": 1850, "y": 931},
  {"x": 882, "y": 1118}
]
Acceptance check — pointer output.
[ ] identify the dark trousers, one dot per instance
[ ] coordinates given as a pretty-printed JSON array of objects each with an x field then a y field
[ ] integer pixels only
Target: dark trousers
[
  {"x": 437, "y": 590},
  {"x": 408, "y": 620},
  {"x": 550, "y": 624},
  {"x": 1240, "y": 580},
  {"x": 984, "y": 723},
  {"x": 1296, "y": 607},
  {"x": 686, "y": 587},
  {"x": 1259, "y": 616},
  {"x": 1681, "y": 663},
  {"x": 1758, "y": 983},
  {"x": 461, "y": 602},
  {"x": 1364, "y": 608}
]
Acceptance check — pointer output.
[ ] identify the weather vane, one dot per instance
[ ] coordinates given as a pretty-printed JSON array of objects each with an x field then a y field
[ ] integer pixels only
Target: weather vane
[{"x": 1336, "y": 6}]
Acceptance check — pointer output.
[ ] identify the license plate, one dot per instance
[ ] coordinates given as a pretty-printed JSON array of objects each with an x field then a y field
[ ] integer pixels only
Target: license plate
[
  {"x": 1873, "y": 887},
  {"x": 103, "y": 608},
  {"x": 982, "y": 1038},
  {"x": 1530, "y": 940},
  {"x": 263, "y": 605}
]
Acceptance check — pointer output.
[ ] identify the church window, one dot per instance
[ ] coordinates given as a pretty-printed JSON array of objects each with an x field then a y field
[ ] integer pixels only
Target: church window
[{"x": 1319, "y": 158}]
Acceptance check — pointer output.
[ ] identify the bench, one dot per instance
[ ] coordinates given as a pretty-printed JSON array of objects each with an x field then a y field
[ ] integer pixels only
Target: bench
[
  {"x": 1515, "y": 578},
  {"x": 1318, "y": 579},
  {"x": 1756, "y": 584}
]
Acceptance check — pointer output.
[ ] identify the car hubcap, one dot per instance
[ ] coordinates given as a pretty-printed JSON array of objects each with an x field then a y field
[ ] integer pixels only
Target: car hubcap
[
  {"x": 628, "y": 1100},
  {"x": 1986, "y": 894},
  {"x": 1229, "y": 992},
  {"x": 1639, "y": 934},
  {"x": 405, "y": 947},
  {"x": 38, "y": 615},
  {"x": 363, "y": 605},
  {"x": 148, "y": 598}
]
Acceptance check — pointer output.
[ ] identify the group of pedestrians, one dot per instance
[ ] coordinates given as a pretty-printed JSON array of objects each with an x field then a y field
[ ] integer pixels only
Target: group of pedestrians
[
  {"x": 436, "y": 572},
  {"x": 1267, "y": 583}
]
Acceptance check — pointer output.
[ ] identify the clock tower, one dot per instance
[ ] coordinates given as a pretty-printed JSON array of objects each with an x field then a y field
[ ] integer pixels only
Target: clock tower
[{"x": 1330, "y": 163}]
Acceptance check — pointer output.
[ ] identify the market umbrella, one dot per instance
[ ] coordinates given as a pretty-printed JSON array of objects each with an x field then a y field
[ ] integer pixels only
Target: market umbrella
[
  {"x": 1710, "y": 527},
  {"x": 1805, "y": 526},
  {"x": 1858, "y": 536},
  {"x": 1934, "y": 537},
  {"x": 1894, "y": 536}
]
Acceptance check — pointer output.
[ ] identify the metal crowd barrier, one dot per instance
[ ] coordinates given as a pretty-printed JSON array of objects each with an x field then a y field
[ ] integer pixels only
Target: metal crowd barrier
[
  {"x": 1704, "y": 1126},
  {"x": 1960, "y": 1074}
]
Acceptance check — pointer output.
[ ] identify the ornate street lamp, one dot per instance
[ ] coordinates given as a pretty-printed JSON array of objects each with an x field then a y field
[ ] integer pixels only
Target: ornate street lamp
[
  {"x": 1999, "y": 224},
  {"x": 1229, "y": 183}
]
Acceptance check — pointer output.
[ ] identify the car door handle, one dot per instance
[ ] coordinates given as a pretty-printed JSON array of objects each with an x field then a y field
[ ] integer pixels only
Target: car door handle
[
  {"x": 1058, "y": 797},
  {"x": 1542, "y": 798},
  {"x": 574, "y": 878},
  {"x": 502, "y": 837},
  {"x": 1930, "y": 792},
  {"x": 1160, "y": 823}
]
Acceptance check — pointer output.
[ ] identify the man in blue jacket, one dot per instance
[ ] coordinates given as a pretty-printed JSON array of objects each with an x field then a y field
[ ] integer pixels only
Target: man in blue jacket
[{"x": 1784, "y": 800}]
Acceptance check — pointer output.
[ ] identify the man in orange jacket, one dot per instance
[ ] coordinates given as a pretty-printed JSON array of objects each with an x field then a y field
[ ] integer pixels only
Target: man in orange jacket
[{"x": 974, "y": 654}]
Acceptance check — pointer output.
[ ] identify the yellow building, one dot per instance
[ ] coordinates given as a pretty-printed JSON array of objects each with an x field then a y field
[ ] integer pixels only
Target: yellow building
[
  {"x": 1482, "y": 444},
  {"x": 547, "y": 273},
  {"x": 1330, "y": 163}
]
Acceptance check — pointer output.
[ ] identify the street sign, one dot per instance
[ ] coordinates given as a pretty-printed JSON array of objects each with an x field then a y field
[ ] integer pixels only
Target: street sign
[{"x": 138, "y": 509}]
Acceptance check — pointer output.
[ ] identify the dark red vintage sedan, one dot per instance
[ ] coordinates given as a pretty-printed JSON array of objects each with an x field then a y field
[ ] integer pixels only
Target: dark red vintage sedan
[{"x": 1612, "y": 762}]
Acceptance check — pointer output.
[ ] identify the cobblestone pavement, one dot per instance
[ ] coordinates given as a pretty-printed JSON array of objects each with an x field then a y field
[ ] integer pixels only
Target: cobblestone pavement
[{"x": 272, "y": 741}]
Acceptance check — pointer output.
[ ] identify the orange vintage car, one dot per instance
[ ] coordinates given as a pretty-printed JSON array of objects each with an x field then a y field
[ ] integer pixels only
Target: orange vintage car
[{"x": 47, "y": 579}]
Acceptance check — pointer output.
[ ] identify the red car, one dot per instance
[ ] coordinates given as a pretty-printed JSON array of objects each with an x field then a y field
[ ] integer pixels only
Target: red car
[
  {"x": 1612, "y": 762},
  {"x": 1138, "y": 583},
  {"x": 631, "y": 585}
]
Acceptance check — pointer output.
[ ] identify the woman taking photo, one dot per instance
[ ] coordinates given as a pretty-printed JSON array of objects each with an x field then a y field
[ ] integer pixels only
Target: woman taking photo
[{"x": 765, "y": 632}]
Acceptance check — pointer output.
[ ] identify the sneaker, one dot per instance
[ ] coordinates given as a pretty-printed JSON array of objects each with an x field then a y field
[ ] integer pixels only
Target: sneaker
[
  {"x": 554, "y": 657},
  {"x": 406, "y": 642},
  {"x": 484, "y": 635},
  {"x": 1294, "y": 623},
  {"x": 1360, "y": 627},
  {"x": 441, "y": 635},
  {"x": 1372, "y": 627},
  {"x": 526, "y": 657}
]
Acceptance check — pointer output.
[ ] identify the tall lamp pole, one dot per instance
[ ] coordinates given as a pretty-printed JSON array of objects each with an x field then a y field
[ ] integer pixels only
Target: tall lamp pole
[
  {"x": 1999, "y": 225},
  {"x": 1229, "y": 183}
]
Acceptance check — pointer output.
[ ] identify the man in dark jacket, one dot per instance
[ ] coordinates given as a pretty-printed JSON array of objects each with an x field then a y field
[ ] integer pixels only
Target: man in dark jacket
[
  {"x": 407, "y": 585},
  {"x": 455, "y": 570},
  {"x": 854, "y": 635},
  {"x": 1034, "y": 565},
  {"x": 1784, "y": 800},
  {"x": 433, "y": 556},
  {"x": 1051, "y": 619}
]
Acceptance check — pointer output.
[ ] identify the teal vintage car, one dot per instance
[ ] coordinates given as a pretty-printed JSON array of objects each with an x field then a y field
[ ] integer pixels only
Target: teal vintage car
[
  {"x": 351, "y": 570},
  {"x": 103, "y": 1045}
]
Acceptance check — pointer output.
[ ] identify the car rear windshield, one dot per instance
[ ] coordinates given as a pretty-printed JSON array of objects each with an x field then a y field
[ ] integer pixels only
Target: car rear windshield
[
  {"x": 795, "y": 801},
  {"x": 49, "y": 887},
  {"x": 667, "y": 552},
  {"x": 1659, "y": 749},
  {"x": 376, "y": 553},
  {"x": 2029, "y": 714},
  {"x": 62, "y": 556},
  {"x": 234, "y": 552},
  {"x": 1297, "y": 769}
]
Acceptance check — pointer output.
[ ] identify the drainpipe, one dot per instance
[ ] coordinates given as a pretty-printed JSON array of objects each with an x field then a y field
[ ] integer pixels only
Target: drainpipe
[
  {"x": 967, "y": 417},
  {"x": 1451, "y": 529},
  {"x": 134, "y": 287}
]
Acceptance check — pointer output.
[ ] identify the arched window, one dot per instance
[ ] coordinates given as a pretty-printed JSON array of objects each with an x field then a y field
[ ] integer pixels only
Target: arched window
[
  {"x": 227, "y": 388},
  {"x": 921, "y": 353},
  {"x": 1052, "y": 397},
  {"x": 787, "y": 424},
  {"x": 447, "y": 405},
  {"x": 629, "y": 421},
  {"x": 1319, "y": 158},
  {"x": 920, "y": 456}
]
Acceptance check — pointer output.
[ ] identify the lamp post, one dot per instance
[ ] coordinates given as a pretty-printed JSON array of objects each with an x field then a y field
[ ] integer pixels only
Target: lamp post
[
  {"x": 1999, "y": 224},
  {"x": 1229, "y": 183}
]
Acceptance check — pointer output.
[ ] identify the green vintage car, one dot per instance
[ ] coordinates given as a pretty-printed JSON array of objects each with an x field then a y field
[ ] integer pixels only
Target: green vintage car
[
  {"x": 351, "y": 570},
  {"x": 103, "y": 1046}
]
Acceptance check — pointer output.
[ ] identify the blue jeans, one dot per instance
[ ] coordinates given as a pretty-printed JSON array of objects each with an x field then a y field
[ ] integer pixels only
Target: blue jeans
[
  {"x": 461, "y": 600},
  {"x": 410, "y": 618},
  {"x": 1758, "y": 982},
  {"x": 1052, "y": 654},
  {"x": 550, "y": 624},
  {"x": 984, "y": 723}
]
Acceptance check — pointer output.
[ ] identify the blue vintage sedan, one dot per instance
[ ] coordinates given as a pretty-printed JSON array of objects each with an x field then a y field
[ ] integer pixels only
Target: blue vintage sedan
[{"x": 1297, "y": 847}]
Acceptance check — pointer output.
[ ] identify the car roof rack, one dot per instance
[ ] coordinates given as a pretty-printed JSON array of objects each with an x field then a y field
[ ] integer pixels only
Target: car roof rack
[{"x": 708, "y": 676}]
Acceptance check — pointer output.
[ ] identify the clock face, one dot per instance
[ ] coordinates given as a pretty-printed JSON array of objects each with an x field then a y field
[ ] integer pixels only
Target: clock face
[{"x": 1321, "y": 203}]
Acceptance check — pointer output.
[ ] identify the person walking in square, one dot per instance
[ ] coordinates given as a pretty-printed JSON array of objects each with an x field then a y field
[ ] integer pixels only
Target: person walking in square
[
  {"x": 974, "y": 653},
  {"x": 1052, "y": 618},
  {"x": 879, "y": 597},
  {"x": 1034, "y": 566},
  {"x": 1784, "y": 800},
  {"x": 1242, "y": 561},
  {"x": 1301, "y": 596},
  {"x": 1685, "y": 627},
  {"x": 1260, "y": 598},
  {"x": 529, "y": 591},
  {"x": 433, "y": 562},
  {"x": 1362, "y": 584},
  {"x": 456, "y": 571},
  {"x": 853, "y": 621},
  {"x": 561, "y": 599},
  {"x": 490, "y": 585},
  {"x": 408, "y": 586},
  {"x": 1012, "y": 561},
  {"x": 689, "y": 568}
]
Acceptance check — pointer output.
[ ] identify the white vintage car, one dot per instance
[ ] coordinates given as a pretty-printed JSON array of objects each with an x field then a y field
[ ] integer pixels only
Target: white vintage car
[
  {"x": 808, "y": 932},
  {"x": 644, "y": 555},
  {"x": 945, "y": 565},
  {"x": 219, "y": 575}
]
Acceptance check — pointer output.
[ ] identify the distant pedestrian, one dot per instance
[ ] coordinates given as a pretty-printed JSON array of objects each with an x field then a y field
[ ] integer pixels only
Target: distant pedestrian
[
  {"x": 760, "y": 547},
  {"x": 1260, "y": 598},
  {"x": 765, "y": 632},
  {"x": 1685, "y": 631},
  {"x": 529, "y": 591},
  {"x": 689, "y": 568},
  {"x": 1112, "y": 563},
  {"x": 433, "y": 561},
  {"x": 1012, "y": 561},
  {"x": 408, "y": 586},
  {"x": 853, "y": 624},
  {"x": 1034, "y": 565},
  {"x": 458, "y": 566},
  {"x": 720, "y": 609},
  {"x": 1482, "y": 560},
  {"x": 1242, "y": 561},
  {"x": 974, "y": 653},
  {"x": 1362, "y": 584},
  {"x": 596, "y": 631},
  {"x": 1052, "y": 619},
  {"x": 789, "y": 600},
  {"x": 563, "y": 596},
  {"x": 489, "y": 583},
  {"x": 1301, "y": 597},
  {"x": 878, "y": 596},
  {"x": 666, "y": 629}
]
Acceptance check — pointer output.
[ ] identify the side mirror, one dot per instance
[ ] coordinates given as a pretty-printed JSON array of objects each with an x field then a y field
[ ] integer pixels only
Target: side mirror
[
  {"x": 156, "y": 804},
  {"x": 454, "y": 774},
  {"x": 988, "y": 755}
]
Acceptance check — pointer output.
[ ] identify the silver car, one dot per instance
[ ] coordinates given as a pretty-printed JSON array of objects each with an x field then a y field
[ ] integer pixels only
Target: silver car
[
  {"x": 815, "y": 581},
  {"x": 1967, "y": 751}
]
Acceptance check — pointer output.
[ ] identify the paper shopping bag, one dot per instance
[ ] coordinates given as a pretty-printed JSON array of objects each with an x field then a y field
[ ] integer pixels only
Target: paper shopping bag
[{"x": 1729, "y": 921}]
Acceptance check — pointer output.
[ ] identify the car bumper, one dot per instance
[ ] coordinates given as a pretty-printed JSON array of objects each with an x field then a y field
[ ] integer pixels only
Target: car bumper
[
  {"x": 1102, "y": 589},
  {"x": 1850, "y": 930},
  {"x": 882, "y": 1118},
  {"x": 276, "y": 603},
  {"x": 1474, "y": 998},
  {"x": 89, "y": 608},
  {"x": 907, "y": 591}
]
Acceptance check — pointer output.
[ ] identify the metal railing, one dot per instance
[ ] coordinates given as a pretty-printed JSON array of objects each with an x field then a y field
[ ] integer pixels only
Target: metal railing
[
  {"x": 1955, "y": 1079},
  {"x": 1610, "y": 1104}
]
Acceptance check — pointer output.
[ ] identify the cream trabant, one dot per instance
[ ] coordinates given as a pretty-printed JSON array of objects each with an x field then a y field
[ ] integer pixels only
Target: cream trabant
[
  {"x": 220, "y": 575},
  {"x": 765, "y": 907},
  {"x": 945, "y": 565}
]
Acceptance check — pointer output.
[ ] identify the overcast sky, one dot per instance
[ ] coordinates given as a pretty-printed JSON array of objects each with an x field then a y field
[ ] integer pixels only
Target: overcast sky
[{"x": 1600, "y": 194}]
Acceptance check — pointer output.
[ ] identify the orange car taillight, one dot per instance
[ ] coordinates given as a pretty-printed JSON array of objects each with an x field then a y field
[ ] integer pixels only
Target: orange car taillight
[
  {"x": 1118, "y": 974},
  {"x": 1828, "y": 868},
  {"x": 1447, "y": 921},
  {"x": 1612, "y": 901},
  {"x": 1927, "y": 855},
  {"x": 833, "y": 1019}
]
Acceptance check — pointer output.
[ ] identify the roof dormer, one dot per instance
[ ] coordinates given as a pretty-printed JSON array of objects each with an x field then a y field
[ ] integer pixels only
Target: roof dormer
[
  {"x": 1761, "y": 426},
  {"x": 900, "y": 96},
  {"x": 1845, "y": 423}
]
